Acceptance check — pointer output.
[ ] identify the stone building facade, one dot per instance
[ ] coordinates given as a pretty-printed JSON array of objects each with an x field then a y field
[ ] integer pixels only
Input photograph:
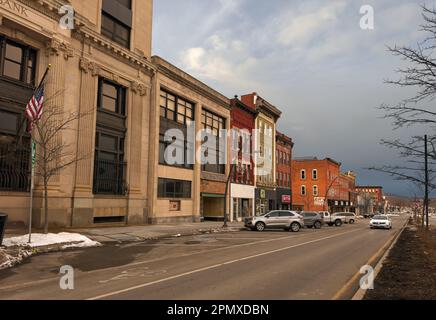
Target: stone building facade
[
  {"x": 265, "y": 146},
  {"x": 182, "y": 102},
  {"x": 101, "y": 68}
]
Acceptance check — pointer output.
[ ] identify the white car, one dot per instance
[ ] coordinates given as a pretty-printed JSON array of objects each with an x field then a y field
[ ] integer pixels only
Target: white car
[{"x": 380, "y": 222}]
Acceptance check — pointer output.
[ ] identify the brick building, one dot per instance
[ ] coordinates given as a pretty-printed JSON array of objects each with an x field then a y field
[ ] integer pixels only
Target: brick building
[
  {"x": 318, "y": 185},
  {"x": 284, "y": 147},
  {"x": 370, "y": 199},
  {"x": 243, "y": 180}
]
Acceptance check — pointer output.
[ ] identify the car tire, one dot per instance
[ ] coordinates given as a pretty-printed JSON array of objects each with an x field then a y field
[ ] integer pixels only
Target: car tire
[
  {"x": 260, "y": 226},
  {"x": 338, "y": 223},
  {"x": 295, "y": 227},
  {"x": 352, "y": 221},
  {"x": 317, "y": 225}
]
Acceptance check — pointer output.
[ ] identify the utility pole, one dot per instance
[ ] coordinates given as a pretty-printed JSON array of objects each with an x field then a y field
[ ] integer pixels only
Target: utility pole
[{"x": 426, "y": 199}]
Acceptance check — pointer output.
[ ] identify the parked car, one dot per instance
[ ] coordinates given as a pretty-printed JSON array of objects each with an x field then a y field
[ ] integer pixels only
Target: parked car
[
  {"x": 280, "y": 219},
  {"x": 313, "y": 219},
  {"x": 331, "y": 220},
  {"x": 368, "y": 215},
  {"x": 347, "y": 217},
  {"x": 380, "y": 222}
]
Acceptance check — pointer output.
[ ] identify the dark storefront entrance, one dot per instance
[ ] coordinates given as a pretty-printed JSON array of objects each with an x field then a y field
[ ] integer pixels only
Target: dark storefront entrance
[
  {"x": 283, "y": 199},
  {"x": 265, "y": 201}
]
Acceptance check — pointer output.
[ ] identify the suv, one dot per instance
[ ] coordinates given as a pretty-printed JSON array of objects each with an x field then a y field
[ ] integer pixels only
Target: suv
[
  {"x": 331, "y": 220},
  {"x": 347, "y": 217},
  {"x": 280, "y": 219},
  {"x": 313, "y": 219}
]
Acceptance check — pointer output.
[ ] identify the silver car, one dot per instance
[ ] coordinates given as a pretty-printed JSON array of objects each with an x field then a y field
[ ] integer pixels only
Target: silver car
[{"x": 280, "y": 219}]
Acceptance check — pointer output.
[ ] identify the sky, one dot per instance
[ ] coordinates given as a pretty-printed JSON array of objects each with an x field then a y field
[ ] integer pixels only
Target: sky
[{"x": 309, "y": 58}]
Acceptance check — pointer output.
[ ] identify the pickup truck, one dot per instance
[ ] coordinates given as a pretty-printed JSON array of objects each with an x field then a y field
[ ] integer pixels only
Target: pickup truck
[{"x": 331, "y": 220}]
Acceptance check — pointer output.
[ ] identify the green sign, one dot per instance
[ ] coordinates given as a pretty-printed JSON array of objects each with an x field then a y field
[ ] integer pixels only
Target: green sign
[
  {"x": 33, "y": 153},
  {"x": 262, "y": 194}
]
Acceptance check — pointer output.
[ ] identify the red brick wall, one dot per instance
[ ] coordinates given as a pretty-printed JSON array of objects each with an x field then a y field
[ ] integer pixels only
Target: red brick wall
[{"x": 327, "y": 171}]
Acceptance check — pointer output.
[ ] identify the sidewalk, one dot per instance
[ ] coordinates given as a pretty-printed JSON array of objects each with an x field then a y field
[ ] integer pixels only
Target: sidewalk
[{"x": 147, "y": 232}]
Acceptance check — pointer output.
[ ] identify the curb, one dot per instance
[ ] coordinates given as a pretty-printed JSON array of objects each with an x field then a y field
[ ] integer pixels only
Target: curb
[
  {"x": 165, "y": 236},
  {"x": 377, "y": 260}
]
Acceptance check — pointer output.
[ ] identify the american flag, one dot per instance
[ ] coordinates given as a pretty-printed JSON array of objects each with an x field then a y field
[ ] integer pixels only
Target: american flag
[{"x": 34, "y": 107}]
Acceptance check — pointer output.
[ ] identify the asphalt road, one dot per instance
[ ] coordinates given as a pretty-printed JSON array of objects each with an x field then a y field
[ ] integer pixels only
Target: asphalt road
[{"x": 311, "y": 264}]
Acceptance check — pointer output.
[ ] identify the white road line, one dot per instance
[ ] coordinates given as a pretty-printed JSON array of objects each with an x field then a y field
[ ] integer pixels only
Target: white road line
[
  {"x": 216, "y": 266},
  {"x": 184, "y": 255}
]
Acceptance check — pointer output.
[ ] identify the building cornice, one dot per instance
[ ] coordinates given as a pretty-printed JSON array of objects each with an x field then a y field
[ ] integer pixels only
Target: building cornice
[{"x": 190, "y": 82}]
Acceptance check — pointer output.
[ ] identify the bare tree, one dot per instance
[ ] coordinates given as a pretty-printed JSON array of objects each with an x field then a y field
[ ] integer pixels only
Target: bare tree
[
  {"x": 52, "y": 153},
  {"x": 417, "y": 110}
]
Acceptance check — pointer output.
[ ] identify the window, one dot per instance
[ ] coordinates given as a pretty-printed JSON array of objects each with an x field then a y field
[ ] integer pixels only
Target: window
[
  {"x": 182, "y": 147},
  {"x": 315, "y": 174},
  {"x": 17, "y": 62},
  {"x": 303, "y": 190},
  {"x": 286, "y": 214},
  {"x": 116, "y": 21},
  {"x": 111, "y": 97},
  {"x": 175, "y": 108},
  {"x": 109, "y": 166},
  {"x": 303, "y": 174},
  {"x": 14, "y": 157},
  {"x": 274, "y": 214},
  {"x": 315, "y": 191},
  {"x": 174, "y": 189},
  {"x": 214, "y": 123}
]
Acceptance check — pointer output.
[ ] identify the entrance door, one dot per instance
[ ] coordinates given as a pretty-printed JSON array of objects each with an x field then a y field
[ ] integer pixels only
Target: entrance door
[{"x": 245, "y": 208}]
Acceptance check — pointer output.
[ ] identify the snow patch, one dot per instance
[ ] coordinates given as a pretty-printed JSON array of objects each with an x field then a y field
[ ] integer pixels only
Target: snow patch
[{"x": 71, "y": 240}]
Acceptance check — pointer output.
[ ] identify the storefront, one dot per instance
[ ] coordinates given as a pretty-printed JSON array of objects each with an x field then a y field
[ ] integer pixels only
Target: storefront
[
  {"x": 283, "y": 199},
  {"x": 242, "y": 200},
  {"x": 265, "y": 200},
  {"x": 339, "y": 206}
]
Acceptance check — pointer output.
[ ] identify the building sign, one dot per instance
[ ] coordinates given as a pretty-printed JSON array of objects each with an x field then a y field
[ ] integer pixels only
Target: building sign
[
  {"x": 286, "y": 199},
  {"x": 14, "y": 6},
  {"x": 319, "y": 201},
  {"x": 262, "y": 194}
]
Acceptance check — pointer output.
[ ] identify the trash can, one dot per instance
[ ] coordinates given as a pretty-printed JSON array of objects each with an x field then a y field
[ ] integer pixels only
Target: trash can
[{"x": 3, "y": 220}]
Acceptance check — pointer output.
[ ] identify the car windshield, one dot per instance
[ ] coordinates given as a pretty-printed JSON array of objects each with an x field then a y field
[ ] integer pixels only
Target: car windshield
[{"x": 381, "y": 218}]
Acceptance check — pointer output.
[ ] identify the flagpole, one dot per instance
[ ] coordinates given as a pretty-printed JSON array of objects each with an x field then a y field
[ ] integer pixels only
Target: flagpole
[
  {"x": 33, "y": 161},
  {"x": 32, "y": 185}
]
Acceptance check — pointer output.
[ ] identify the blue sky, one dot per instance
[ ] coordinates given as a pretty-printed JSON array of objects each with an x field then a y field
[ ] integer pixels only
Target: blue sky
[{"x": 310, "y": 58}]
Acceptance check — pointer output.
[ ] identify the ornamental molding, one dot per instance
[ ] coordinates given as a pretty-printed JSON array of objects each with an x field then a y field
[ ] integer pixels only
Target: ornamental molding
[
  {"x": 139, "y": 88},
  {"x": 58, "y": 47},
  {"x": 88, "y": 66}
]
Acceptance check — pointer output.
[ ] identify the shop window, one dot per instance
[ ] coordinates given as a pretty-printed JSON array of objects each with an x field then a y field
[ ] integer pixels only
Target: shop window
[{"x": 177, "y": 189}]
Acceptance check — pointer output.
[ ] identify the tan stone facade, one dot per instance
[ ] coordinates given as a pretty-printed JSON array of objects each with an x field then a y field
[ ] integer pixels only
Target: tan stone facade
[
  {"x": 174, "y": 81},
  {"x": 79, "y": 58}
]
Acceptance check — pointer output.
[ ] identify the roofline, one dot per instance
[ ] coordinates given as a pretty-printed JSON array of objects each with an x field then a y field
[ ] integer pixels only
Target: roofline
[{"x": 191, "y": 82}]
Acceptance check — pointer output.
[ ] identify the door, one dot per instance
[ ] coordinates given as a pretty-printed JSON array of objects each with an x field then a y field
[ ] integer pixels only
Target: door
[
  {"x": 245, "y": 208},
  {"x": 273, "y": 219}
]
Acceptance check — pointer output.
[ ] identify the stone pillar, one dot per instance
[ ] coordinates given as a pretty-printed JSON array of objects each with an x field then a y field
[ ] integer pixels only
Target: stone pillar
[
  {"x": 136, "y": 127},
  {"x": 82, "y": 209},
  {"x": 196, "y": 184}
]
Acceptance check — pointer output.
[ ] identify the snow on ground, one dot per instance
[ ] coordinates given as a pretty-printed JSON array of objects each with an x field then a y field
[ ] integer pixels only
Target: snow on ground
[{"x": 71, "y": 240}]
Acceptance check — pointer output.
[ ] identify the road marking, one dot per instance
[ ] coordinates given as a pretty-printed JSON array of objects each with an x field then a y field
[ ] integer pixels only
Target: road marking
[
  {"x": 184, "y": 255},
  {"x": 370, "y": 262},
  {"x": 148, "y": 284}
]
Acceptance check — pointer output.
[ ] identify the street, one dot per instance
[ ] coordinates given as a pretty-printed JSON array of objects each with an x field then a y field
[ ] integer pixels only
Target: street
[{"x": 312, "y": 264}]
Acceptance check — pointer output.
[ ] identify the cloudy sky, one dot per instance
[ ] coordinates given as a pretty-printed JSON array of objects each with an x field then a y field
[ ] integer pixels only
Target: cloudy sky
[{"x": 310, "y": 58}]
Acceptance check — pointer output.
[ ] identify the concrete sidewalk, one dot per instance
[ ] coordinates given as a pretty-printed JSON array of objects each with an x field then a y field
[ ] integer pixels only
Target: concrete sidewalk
[{"x": 147, "y": 232}]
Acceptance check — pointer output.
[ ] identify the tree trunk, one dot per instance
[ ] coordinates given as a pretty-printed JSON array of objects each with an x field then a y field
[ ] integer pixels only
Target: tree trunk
[{"x": 45, "y": 206}]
